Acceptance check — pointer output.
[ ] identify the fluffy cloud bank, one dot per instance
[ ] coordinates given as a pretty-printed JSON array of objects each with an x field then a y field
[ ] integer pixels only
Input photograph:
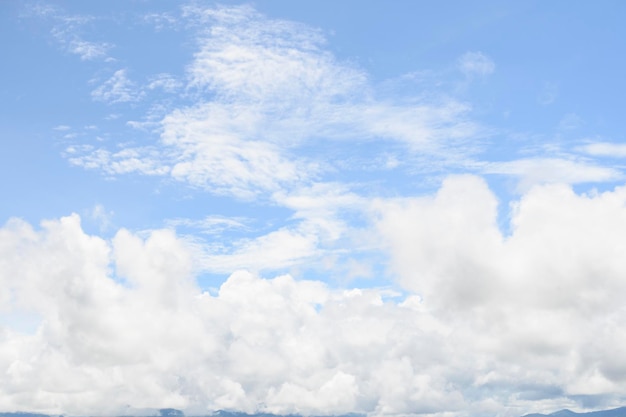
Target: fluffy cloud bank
[{"x": 490, "y": 324}]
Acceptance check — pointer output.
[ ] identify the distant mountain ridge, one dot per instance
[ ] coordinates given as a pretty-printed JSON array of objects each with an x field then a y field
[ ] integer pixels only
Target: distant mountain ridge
[
  {"x": 615, "y": 412},
  {"x": 172, "y": 412},
  {"x": 22, "y": 414}
]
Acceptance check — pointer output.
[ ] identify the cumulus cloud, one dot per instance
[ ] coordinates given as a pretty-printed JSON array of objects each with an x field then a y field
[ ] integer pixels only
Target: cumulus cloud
[
  {"x": 490, "y": 324},
  {"x": 534, "y": 300},
  {"x": 459, "y": 225},
  {"x": 123, "y": 323}
]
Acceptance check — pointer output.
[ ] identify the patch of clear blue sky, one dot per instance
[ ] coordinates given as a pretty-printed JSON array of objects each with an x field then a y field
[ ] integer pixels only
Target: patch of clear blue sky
[{"x": 558, "y": 79}]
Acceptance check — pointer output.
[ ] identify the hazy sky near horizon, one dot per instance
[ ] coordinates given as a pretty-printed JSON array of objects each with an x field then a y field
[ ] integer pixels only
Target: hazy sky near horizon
[{"x": 390, "y": 208}]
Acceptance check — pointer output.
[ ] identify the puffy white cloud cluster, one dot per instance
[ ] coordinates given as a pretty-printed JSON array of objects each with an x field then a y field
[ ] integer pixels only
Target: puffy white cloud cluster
[
  {"x": 543, "y": 305},
  {"x": 567, "y": 244},
  {"x": 490, "y": 324},
  {"x": 122, "y": 324}
]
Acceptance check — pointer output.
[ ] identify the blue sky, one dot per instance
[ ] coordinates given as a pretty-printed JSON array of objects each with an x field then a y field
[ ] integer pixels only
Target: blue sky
[{"x": 393, "y": 208}]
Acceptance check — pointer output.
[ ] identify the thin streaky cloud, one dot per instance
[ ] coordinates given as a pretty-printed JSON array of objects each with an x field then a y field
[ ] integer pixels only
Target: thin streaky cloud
[
  {"x": 66, "y": 31},
  {"x": 604, "y": 149},
  {"x": 210, "y": 224},
  {"x": 273, "y": 88},
  {"x": 132, "y": 160},
  {"x": 476, "y": 63},
  {"x": 542, "y": 170}
]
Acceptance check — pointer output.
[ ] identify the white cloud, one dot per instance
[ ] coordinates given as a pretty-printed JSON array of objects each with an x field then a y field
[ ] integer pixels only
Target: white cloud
[
  {"x": 561, "y": 244},
  {"x": 447, "y": 222},
  {"x": 66, "y": 31},
  {"x": 276, "y": 250},
  {"x": 539, "y": 170},
  {"x": 605, "y": 149},
  {"x": 161, "y": 21},
  {"x": 264, "y": 89},
  {"x": 125, "y": 161},
  {"x": 246, "y": 56},
  {"x": 486, "y": 316},
  {"x": 476, "y": 63},
  {"x": 210, "y": 224},
  {"x": 534, "y": 300},
  {"x": 164, "y": 81},
  {"x": 315, "y": 236},
  {"x": 153, "y": 340},
  {"x": 117, "y": 89},
  {"x": 88, "y": 50},
  {"x": 213, "y": 148}
]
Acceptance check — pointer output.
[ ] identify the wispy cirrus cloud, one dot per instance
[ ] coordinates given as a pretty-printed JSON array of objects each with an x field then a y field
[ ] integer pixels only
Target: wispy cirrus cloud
[
  {"x": 165, "y": 82},
  {"x": 161, "y": 20},
  {"x": 66, "y": 31},
  {"x": 476, "y": 63},
  {"x": 542, "y": 170},
  {"x": 265, "y": 88},
  {"x": 210, "y": 224},
  {"x": 117, "y": 89},
  {"x": 85, "y": 49},
  {"x": 125, "y": 161},
  {"x": 604, "y": 149}
]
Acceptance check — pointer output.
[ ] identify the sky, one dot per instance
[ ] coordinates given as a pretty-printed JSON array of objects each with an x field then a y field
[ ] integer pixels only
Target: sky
[{"x": 392, "y": 208}]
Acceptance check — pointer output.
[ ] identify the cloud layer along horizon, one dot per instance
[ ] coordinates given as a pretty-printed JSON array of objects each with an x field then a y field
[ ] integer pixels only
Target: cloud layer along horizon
[{"x": 488, "y": 323}]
